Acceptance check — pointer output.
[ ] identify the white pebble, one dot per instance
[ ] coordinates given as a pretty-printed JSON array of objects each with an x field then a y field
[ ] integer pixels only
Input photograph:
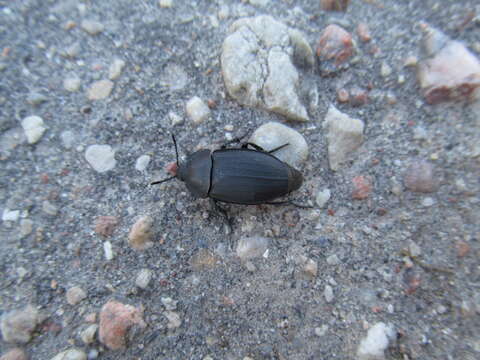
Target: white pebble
[
  {"x": 328, "y": 293},
  {"x": 322, "y": 197},
  {"x": 143, "y": 278},
  {"x": 72, "y": 84},
  {"x": 116, "y": 69},
  {"x": 428, "y": 201},
  {"x": 174, "y": 118},
  {"x": 169, "y": 303},
  {"x": 321, "y": 331},
  {"x": 10, "y": 215},
  {"x": 165, "y": 3},
  {"x": 197, "y": 110},
  {"x": 142, "y": 162},
  {"x": 92, "y": 27},
  {"x": 49, "y": 208},
  {"x": 251, "y": 247},
  {"x": 107, "y": 248},
  {"x": 373, "y": 346},
  {"x": 67, "y": 138},
  {"x": 101, "y": 157},
  {"x": 34, "y": 128},
  {"x": 100, "y": 90}
]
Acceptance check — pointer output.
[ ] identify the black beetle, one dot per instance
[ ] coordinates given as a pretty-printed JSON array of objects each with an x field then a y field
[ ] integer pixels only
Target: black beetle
[{"x": 239, "y": 175}]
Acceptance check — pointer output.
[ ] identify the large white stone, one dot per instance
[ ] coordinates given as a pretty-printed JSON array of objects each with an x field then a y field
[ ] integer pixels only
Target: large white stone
[
  {"x": 374, "y": 345},
  {"x": 101, "y": 157},
  {"x": 34, "y": 128}
]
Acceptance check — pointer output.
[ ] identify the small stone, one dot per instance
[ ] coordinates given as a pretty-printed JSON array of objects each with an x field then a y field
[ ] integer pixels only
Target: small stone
[
  {"x": 105, "y": 225},
  {"x": 328, "y": 293},
  {"x": 36, "y": 98},
  {"x": 449, "y": 71},
  {"x": 115, "y": 320},
  {"x": 321, "y": 331},
  {"x": 334, "y": 5},
  {"x": 26, "y": 227},
  {"x": 49, "y": 208},
  {"x": 250, "y": 266},
  {"x": 143, "y": 278},
  {"x": 14, "y": 354},
  {"x": 165, "y": 3},
  {"x": 92, "y": 354},
  {"x": 197, "y": 110},
  {"x": 385, "y": 70},
  {"x": 174, "y": 320},
  {"x": 415, "y": 250},
  {"x": 115, "y": 69},
  {"x": 342, "y": 95},
  {"x": 71, "y": 354},
  {"x": 72, "y": 84},
  {"x": 462, "y": 248},
  {"x": 374, "y": 345},
  {"x": 420, "y": 177},
  {"x": 140, "y": 236},
  {"x": 310, "y": 268},
  {"x": 100, "y": 90},
  {"x": 68, "y": 139},
  {"x": 272, "y": 135},
  {"x": 34, "y": 128},
  {"x": 362, "y": 187},
  {"x": 335, "y": 47},
  {"x": 10, "y": 215},
  {"x": 17, "y": 326},
  {"x": 73, "y": 50},
  {"x": 101, "y": 157},
  {"x": 107, "y": 248},
  {"x": 88, "y": 335},
  {"x": 345, "y": 135},
  {"x": 322, "y": 197},
  {"x": 91, "y": 318},
  {"x": 92, "y": 27},
  {"x": 411, "y": 60},
  {"x": 333, "y": 260},
  {"x": 169, "y": 303},
  {"x": 203, "y": 259},
  {"x": 75, "y": 295},
  {"x": 358, "y": 96},
  {"x": 175, "y": 119},
  {"x": 142, "y": 162},
  {"x": 364, "y": 32},
  {"x": 428, "y": 201},
  {"x": 251, "y": 247}
]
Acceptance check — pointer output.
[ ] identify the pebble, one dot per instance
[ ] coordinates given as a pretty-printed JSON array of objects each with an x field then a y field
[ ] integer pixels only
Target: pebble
[
  {"x": 68, "y": 139},
  {"x": 10, "y": 215},
  {"x": 73, "y": 50},
  {"x": 14, "y": 354},
  {"x": 328, "y": 293},
  {"x": 358, "y": 96},
  {"x": 101, "y": 158},
  {"x": 26, "y": 227},
  {"x": 100, "y": 90},
  {"x": 272, "y": 135},
  {"x": 449, "y": 71},
  {"x": 34, "y": 128},
  {"x": 174, "y": 320},
  {"x": 374, "y": 345},
  {"x": 88, "y": 334},
  {"x": 140, "y": 236},
  {"x": 342, "y": 95},
  {"x": 107, "y": 249},
  {"x": 321, "y": 331},
  {"x": 362, "y": 187},
  {"x": 169, "y": 303},
  {"x": 333, "y": 260},
  {"x": 115, "y": 69},
  {"x": 143, "y": 278},
  {"x": 142, "y": 162},
  {"x": 334, "y": 5},
  {"x": 71, "y": 354},
  {"x": 72, "y": 84},
  {"x": 411, "y": 60},
  {"x": 92, "y": 27},
  {"x": 428, "y": 201},
  {"x": 310, "y": 268},
  {"x": 197, "y": 110},
  {"x": 251, "y": 247},
  {"x": 385, "y": 70},
  {"x": 165, "y": 3},
  {"x": 49, "y": 208},
  {"x": 92, "y": 354},
  {"x": 105, "y": 225},
  {"x": 268, "y": 52},
  {"x": 175, "y": 119},
  {"x": 334, "y": 48},
  {"x": 415, "y": 250},
  {"x": 345, "y": 135},
  {"x": 17, "y": 326},
  {"x": 203, "y": 259},
  {"x": 322, "y": 197},
  {"x": 36, "y": 98},
  {"x": 115, "y": 320},
  {"x": 364, "y": 32},
  {"x": 420, "y": 177},
  {"x": 75, "y": 295}
]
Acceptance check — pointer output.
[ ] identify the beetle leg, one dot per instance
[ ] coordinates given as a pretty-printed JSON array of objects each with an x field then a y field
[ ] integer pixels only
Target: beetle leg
[
  {"x": 259, "y": 148},
  {"x": 278, "y": 148},
  {"x": 234, "y": 140}
]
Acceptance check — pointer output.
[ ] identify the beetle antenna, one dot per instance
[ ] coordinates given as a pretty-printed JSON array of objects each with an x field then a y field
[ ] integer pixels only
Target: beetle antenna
[
  {"x": 176, "y": 149},
  {"x": 162, "y": 181}
]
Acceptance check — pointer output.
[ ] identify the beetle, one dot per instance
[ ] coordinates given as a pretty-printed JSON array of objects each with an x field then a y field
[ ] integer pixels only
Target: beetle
[{"x": 237, "y": 175}]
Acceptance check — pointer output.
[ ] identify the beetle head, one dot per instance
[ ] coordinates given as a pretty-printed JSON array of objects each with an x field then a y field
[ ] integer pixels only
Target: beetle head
[{"x": 176, "y": 169}]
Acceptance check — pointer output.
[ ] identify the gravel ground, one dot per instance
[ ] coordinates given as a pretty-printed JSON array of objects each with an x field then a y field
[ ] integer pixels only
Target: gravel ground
[{"x": 378, "y": 258}]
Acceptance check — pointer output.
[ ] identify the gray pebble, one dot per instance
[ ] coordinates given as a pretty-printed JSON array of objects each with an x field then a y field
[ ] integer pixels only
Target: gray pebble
[
  {"x": 49, "y": 208},
  {"x": 36, "y": 98},
  {"x": 328, "y": 294},
  {"x": 175, "y": 119},
  {"x": 92, "y": 27},
  {"x": 169, "y": 303},
  {"x": 75, "y": 294},
  {"x": 68, "y": 139},
  {"x": 272, "y": 135},
  {"x": 321, "y": 331},
  {"x": 333, "y": 260},
  {"x": 17, "y": 326},
  {"x": 71, "y": 354},
  {"x": 100, "y": 90},
  {"x": 115, "y": 69},
  {"x": 101, "y": 157},
  {"x": 251, "y": 247},
  {"x": 73, "y": 50},
  {"x": 322, "y": 197},
  {"x": 71, "y": 84},
  {"x": 142, "y": 162},
  {"x": 143, "y": 278}
]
